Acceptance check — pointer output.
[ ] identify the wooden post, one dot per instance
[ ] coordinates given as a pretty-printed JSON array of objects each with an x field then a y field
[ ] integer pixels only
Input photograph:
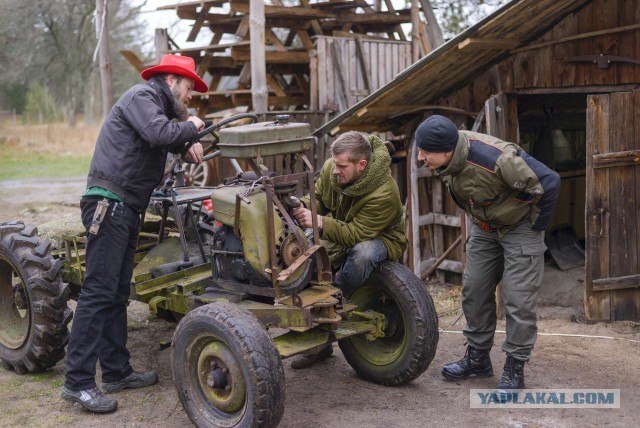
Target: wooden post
[
  {"x": 102, "y": 29},
  {"x": 161, "y": 43},
  {"x": 415, "y": 31},
  {"x": 259, "y": 93},
  {"x": 433, "y": 29}
]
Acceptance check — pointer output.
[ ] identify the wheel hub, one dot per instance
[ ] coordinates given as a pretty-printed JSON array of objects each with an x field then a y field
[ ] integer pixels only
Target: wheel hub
[
  {"x": 220, "y": 377},
  {"x": 14, "y": 308}
]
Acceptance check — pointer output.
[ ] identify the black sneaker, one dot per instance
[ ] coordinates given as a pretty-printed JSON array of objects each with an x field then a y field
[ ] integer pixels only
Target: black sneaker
[
  {"x": 134, "y": 380},
  {"x": 92, "y": 399}
]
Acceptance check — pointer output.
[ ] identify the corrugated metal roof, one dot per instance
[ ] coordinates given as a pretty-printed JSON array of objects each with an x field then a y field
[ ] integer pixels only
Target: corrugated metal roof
[{"x": 453, "y": 64}]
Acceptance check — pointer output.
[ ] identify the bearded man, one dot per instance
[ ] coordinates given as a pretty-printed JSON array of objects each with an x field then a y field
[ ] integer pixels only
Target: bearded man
[
  {"x": 360, "y": 215},
  {"x": 128, "y": 163}
]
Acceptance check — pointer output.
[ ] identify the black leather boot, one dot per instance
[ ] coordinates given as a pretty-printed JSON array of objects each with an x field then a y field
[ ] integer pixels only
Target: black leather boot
[
  {"x": 513, "y": 375},
  {"x": 475, "y": 362}
]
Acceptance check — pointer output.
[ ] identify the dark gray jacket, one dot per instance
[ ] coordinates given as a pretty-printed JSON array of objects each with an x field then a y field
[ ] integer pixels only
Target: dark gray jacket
[{"x": 131, "y": 150}]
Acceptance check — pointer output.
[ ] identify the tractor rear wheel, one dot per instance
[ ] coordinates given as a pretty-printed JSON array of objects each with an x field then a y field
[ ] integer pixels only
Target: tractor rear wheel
[
  {"x": 226, "y": 368},
  {"x": 33, "y": 301},
  {"x": 410, "y": 328}
]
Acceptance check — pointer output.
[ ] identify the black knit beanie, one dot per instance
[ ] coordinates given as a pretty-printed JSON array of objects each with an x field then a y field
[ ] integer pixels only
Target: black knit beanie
[{"x": 437, "y": 134}]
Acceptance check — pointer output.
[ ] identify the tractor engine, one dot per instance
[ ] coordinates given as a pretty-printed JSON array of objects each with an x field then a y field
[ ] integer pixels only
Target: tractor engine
[{"x": 252, "y": 243}]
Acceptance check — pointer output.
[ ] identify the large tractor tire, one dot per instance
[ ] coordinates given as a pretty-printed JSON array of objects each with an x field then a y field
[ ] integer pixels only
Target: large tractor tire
[
  {"x": 226, "y": 368},
  {"x": 33, "y": 301},
  {"x": 410, "y": 333}
]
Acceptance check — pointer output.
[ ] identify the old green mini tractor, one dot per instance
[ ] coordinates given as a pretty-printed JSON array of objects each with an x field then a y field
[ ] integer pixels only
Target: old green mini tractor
[{"x": 248, "y": 286}]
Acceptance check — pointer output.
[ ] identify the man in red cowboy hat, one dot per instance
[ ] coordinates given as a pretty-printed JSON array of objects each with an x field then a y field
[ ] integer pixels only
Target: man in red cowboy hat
[{"x": 146, "y": 123}]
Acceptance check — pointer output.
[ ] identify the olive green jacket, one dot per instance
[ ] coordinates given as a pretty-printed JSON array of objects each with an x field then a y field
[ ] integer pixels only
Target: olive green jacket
[
  {"x": 369, "y": 208},
  {"x": 498, "y": 184}
]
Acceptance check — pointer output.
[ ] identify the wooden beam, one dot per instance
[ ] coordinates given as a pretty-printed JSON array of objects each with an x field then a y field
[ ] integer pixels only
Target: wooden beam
[
  {"x": 297, "y": 12},
  {"x": 273, "y": 57},
  {"x": 363, "y": 64},
  {"x": 363, "y": 128},
  {"x": 448, "y": 265},
  {"x": 488, "y": 43},
  {"x": 197, "y": 25},
  {"x": 616, "y": 283},
  {"x": 401, "y": 110},
  {"x": 212, "y": 48},
  {"x": 614, "y": 159},
  {"x": 275, "y": 86},
  {"x": 194, "y": 4},
  {"x": 382, "y": 18},
  {"x": 134, "y": 60},
  {"x": 434, "y": 33},
  {"x": 344, "y": 100},
  {"x": 440, "y": 219},
  {"x": 274, "y": 40},
  {"x": 577, "y": 37},
  {"x": 438, "y": 262}
]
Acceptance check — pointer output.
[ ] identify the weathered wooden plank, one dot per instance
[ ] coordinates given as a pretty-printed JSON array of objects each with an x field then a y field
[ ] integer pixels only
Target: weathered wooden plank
[
  {"x": 628, "y": 42},
  {"x": 441, "y": 219},
  {"x": 342, "y": 90},
  {"x": 295, "y": 12},
  {"x": 437, "y": 204},
  {"x": 563, "y": 73},
  {"x": 412, "y": 227},
  {"x": 607, "y": 17},
  {"x": 597, "y": 306},
  {"x": 272, "y": 57},
  {"x": 625, "y": 303},
  {"x": 584, "y": 19},
  {"x": 623, "y": 241},
  {"x": 313, "y": 80},
  {"x": 475, "y": 43},
  {"x": 617, "y": 159},
  {"x": 617, "y": 283},
  {"x": 445, "y": 265}
]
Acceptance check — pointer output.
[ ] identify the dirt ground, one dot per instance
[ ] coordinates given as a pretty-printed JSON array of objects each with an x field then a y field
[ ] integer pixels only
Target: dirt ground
[{"x": 570, "y": 353}]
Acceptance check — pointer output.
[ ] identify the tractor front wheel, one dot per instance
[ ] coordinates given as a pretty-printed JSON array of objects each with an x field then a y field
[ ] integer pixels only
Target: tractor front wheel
[{"x": 226, "y": 368}]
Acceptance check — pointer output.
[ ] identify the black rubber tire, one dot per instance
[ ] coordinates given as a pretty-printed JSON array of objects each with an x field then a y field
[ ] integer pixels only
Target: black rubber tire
[
  {"x": 411, "y": 333},
  {"x": 234, "y": 339},
  {"x": 34, "y": 315}
]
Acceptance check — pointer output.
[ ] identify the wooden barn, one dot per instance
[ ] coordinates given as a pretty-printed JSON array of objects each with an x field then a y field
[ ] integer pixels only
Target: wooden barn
[{"x": 560, "y": 78}]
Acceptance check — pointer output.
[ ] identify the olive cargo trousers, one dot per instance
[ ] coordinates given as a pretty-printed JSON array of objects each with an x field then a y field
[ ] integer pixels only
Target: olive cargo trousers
[{"x": 517, "y": 258}]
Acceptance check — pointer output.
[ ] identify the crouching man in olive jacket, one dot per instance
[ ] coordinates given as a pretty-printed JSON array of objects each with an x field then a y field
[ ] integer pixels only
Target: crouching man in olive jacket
[{"x": 360, "y": 214}]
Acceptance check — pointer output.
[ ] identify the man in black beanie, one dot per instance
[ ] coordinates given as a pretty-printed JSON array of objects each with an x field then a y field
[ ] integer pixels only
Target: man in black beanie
[{"x": 509, "y": 197}]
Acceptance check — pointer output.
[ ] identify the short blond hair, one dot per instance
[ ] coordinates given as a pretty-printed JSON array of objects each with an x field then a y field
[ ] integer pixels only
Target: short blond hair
[{"x": 356, "y": 144}]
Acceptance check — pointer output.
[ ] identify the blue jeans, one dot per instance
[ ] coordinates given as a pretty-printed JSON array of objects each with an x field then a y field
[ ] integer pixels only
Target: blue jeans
[{"x": 362, "y": 258}]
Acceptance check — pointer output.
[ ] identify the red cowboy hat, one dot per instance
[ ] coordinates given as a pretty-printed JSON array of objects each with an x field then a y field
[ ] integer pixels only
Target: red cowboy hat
[{"x": 177, "y": 64}]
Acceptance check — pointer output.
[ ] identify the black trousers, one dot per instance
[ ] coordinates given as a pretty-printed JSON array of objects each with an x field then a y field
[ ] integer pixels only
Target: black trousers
[{"x": 99, "y": 329}]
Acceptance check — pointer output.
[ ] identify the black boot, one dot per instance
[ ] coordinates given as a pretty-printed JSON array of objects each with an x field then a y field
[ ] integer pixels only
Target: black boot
[
  {"x": 475, "y": 362},
  {"x": 513, "y": 376}
]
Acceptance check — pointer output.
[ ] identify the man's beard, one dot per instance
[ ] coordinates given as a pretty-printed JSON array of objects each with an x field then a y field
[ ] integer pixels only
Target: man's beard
[{"x": 179, "y": 106}]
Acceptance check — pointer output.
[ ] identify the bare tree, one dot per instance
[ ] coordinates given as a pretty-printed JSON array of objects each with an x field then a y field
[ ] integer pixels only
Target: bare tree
[{"x": 53, "y": 43}]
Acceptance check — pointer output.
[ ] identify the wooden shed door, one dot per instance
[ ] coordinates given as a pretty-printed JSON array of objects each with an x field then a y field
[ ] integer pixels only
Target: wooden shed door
[{"x": 612, "y": 199}]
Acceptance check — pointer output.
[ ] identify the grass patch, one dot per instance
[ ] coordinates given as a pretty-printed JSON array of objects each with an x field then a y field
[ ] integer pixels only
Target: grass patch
[
  {"x": 446, "y": 298},
  {"x": 16, "y": 165},
  {"x": 46, "y": 150}
]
